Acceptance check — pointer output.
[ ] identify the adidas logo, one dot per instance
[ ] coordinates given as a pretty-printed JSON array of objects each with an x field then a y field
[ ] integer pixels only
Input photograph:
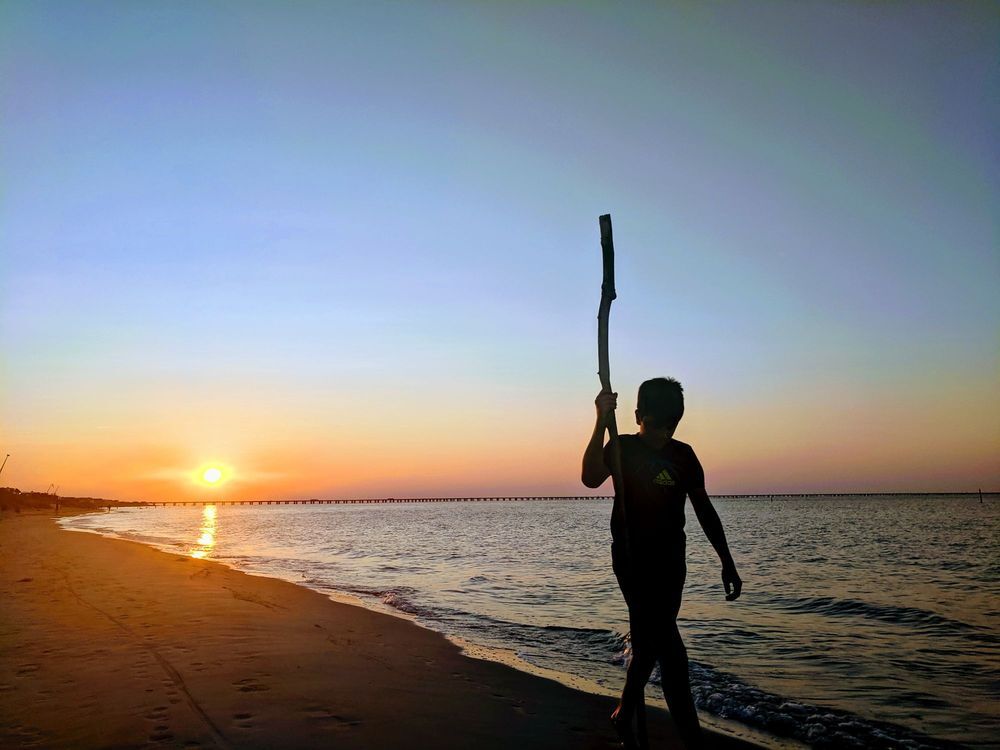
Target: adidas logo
[{"x": 664, "y": 478}]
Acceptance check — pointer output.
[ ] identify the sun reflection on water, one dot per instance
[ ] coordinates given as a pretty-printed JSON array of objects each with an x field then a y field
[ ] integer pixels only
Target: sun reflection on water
[{"x": 207, "y": 539}]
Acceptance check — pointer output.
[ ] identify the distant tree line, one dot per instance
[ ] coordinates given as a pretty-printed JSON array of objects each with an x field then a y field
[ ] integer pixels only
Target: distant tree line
[{"x": 13, "y": 499}]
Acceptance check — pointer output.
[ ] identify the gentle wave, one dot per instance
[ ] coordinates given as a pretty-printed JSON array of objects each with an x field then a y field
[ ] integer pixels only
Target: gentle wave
[{"x": 912, "y": 617}]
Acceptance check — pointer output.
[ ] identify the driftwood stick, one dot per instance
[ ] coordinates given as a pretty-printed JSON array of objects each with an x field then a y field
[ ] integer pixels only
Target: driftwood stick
[{"x": 608, "y": 295}]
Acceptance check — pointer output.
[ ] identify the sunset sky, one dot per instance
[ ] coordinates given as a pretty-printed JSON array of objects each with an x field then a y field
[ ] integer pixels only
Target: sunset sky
[{"x": 352, "y": 249}]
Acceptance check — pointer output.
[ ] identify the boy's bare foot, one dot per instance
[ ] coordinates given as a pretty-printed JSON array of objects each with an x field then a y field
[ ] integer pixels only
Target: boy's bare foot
[{"x": 623, "y": 728}]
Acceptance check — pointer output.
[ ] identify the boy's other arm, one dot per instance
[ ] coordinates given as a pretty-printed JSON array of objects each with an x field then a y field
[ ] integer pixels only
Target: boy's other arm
[
  {"x": 594, "y": 469},
  {"x": 709, "y": 519}
]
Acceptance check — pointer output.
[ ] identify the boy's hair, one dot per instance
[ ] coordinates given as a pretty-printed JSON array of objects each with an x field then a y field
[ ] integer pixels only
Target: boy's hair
[{"x": 661, "y": 402}]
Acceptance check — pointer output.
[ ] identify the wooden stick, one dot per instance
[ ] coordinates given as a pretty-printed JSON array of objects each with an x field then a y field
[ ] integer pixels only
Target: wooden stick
[{"x": 608, "y": 295}]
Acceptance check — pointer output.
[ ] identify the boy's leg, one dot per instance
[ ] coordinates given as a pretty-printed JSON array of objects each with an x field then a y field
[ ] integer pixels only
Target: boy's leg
[
  {"x": 632, "y": 702},
  {"x": 676, "y": 682},
  {"x": 644, "y": 655},
  {"x": 675, "y": 676},
  {"x": 640, "y": 667}
]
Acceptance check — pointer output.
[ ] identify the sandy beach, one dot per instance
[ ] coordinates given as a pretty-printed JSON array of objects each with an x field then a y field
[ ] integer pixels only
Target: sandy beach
[{"x": 109, "y": 643}]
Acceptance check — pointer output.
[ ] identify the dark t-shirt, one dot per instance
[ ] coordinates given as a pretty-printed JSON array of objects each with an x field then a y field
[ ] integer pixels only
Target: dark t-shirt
[{"x": 656, "y": 484}]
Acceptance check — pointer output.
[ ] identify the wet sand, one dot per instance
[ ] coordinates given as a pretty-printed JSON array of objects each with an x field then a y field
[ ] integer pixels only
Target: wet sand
[{"x": 109, "y": 643}]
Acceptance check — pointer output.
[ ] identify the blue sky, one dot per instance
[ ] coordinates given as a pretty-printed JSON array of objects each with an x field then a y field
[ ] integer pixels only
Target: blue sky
[{"x": 275, "y": 235}]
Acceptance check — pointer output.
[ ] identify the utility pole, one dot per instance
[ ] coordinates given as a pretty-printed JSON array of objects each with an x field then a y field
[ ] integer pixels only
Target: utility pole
[{"x": 4, "y": 463}]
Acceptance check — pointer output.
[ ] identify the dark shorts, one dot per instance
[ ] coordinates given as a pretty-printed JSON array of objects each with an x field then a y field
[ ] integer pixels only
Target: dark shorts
[{"x": 652, "y": 589}]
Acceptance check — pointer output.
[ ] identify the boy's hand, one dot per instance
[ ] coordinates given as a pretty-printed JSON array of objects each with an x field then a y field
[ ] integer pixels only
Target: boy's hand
[
  {"x": 605, "y": 402},
  {"x": 732, "y": 581}
]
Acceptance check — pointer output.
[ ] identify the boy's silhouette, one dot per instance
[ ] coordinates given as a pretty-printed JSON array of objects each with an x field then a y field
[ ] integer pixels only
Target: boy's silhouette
[{"x": 648, "y": 555}]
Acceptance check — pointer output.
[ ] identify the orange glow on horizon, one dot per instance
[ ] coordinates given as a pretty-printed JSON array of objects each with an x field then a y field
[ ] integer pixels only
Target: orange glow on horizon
[{"x": 821, "y": 436}]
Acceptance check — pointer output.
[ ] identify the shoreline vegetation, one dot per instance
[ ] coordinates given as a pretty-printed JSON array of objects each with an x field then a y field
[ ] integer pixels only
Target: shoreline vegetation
[{"x": 111, "y": 643}]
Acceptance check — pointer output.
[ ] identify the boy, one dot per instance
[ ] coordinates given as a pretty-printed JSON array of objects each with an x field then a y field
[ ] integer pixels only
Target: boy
[{"x": 648, "y": 554}]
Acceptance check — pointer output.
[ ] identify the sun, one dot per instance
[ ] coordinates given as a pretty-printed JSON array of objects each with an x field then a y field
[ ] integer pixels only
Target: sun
[{"x": 212, "y": 474}]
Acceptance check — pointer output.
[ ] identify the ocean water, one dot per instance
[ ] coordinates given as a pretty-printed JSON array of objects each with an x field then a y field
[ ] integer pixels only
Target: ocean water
[{"x": 864, "y": 622}]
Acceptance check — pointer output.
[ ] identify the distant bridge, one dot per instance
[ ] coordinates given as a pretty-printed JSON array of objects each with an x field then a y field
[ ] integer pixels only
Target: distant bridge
[
  {"x": 368, "y": 500},
  {"x": 518, "y": 498}
]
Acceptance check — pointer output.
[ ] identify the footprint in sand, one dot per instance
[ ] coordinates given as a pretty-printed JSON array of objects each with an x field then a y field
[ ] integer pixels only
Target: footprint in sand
[
  {"x": 250, "y": 685},
  {"x": 158, "y": 713},
  {"x": 29, "y": 736},
  {"x": 326, "y": 716}
]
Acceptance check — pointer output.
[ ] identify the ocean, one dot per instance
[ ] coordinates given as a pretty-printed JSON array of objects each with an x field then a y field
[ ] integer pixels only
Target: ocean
[{"x": 864, "y": 621}]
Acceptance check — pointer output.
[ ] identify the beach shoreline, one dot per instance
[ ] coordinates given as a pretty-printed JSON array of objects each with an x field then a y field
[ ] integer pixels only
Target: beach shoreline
[
  {"x": 111, "y": 643},
  {"x": 468, "y": 648}
]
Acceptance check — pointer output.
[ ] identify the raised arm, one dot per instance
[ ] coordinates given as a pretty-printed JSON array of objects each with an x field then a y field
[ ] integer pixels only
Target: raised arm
[
  {"x": 594, "y": 470},
  {"x": 712, "y": 524}
]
